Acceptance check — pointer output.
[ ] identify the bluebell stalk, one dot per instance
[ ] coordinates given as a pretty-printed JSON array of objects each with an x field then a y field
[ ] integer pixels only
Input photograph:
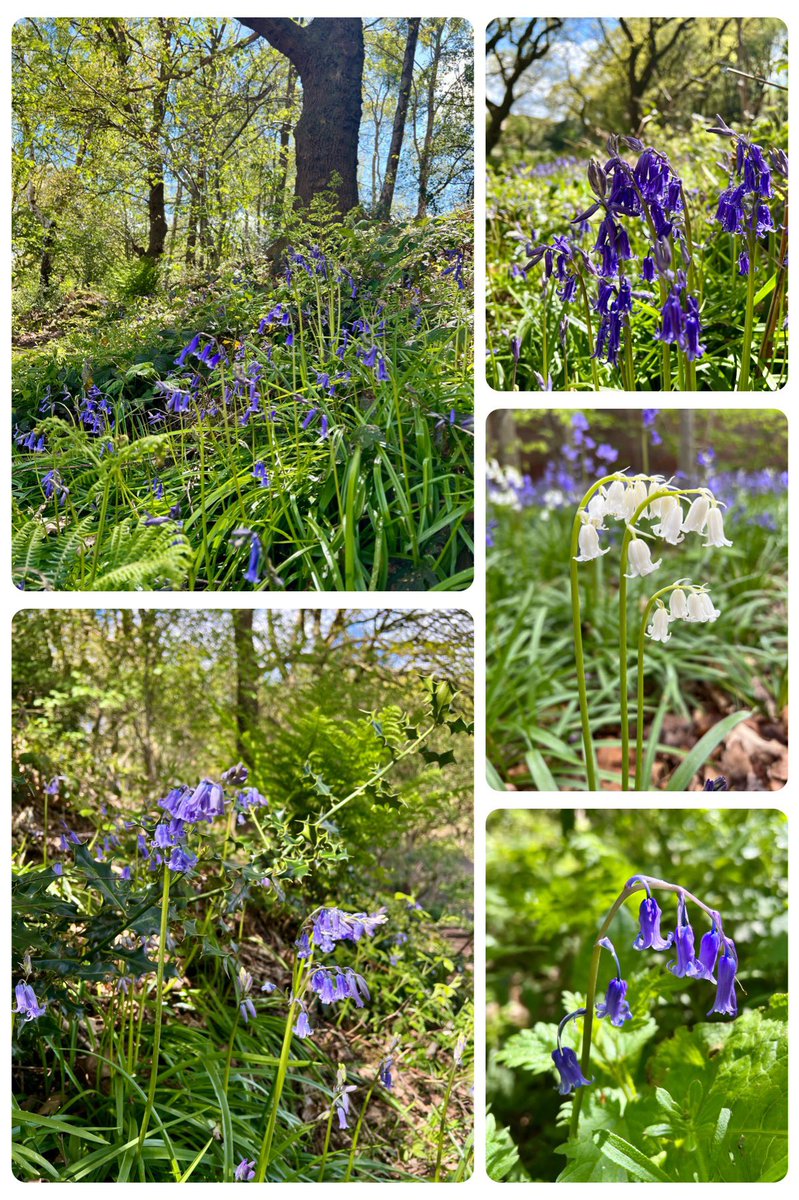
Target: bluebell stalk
[
  {"x": 574, "y": 1071},
  {"x": 321, "y": 932}
]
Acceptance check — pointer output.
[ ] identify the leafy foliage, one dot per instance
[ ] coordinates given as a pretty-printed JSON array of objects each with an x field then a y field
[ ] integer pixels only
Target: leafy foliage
[
  {"x": 706, "y": 672},
  {"x": 99, "y": 698},
  {"x": 674, "y": 1097}
]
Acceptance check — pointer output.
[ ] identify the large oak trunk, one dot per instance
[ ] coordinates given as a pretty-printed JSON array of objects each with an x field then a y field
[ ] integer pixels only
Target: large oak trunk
[{"x": 328, "y": 55}]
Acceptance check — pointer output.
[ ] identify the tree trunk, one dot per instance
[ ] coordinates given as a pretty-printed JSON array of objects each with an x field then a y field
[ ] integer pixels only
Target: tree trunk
[
  {"x": 285, "y": 133},
  {"x": 247, "y": 676},
  {"x": 328, "y": 55},
  {"x": 426, "y": 156},
  {"x": 48, "y": 239},
  {"x": 398, "y": 131},
  {"x": 156, "y": 215}
]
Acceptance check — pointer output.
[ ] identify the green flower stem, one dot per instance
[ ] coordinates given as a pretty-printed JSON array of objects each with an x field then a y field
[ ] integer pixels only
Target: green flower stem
[
  {"x": 579, "y": 657},
  {"x": 442, "y": 1127},
  {"x": 326, "y": 1147},
  {"x": 159, "y": 1008},
  {"x": 638, "y": 883},
  {"x": 623, "y": 679},
  {"x": 357, "y": 1132},
  {"x": 301, "y": 967},
  {"x": 639, "y": 721},
  {"x": 589, "y": 327},
  {"x": 746, "y": 350}
]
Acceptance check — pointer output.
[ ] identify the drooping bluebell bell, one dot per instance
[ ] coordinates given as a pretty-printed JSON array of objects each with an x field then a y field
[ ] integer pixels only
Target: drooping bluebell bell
[
  {"x": 384, "y": 1072},
  {"x": 303, "y": 1026},
  {"x": 181, "y": 860},
  {"x": 571, "y": 1075},
  {"x": 28, "y": 1006},
  {"x": 252, "y": 574},
  {"x": 650, "y": 937},
  {"x": 708, "y": 953},
  {"x": 260, "y": 473},
  {"x": 615, "y": 1004},
  {"x": 726, "y": 1001},
  {"x": 684, "y": 965},
  {"x": 187, "y": 350}
]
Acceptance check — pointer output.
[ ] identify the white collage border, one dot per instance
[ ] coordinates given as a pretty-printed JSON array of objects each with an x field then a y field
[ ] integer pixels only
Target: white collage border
[{"x": 472, "y": 600}]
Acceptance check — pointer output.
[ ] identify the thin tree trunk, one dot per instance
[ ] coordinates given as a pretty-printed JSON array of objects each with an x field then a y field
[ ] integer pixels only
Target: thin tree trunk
[
  {"x": 398, "y": 131},
  {"x": 426, "y": 156},
  {"x": 247, "y": 676}
]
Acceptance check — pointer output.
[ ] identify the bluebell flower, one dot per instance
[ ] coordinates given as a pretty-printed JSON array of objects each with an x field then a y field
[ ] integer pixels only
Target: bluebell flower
[
  {"x": 685, "y": 963},
  {"x": 708, "y": 953},
  {"x": 58, "y": 869},
  {"x": 382, "y": 371},
  {"x": 719, "y": 784},
  {"x": 181, "y": 860},
  {"x": 743, "y": 262},
  {"x": 245, "y": 1171},
  {"x": 187, "y": 350},
  {"x": 650, "y": 937},
  {"x": 303, "y": 1026},
  {"x": 259, "y": 472},
  {"x": 27, "y": 1004},
  {"x": 571, "y": 1075},
  {"x": 385, "y": 1075},
  {"x": 726, "y": 1001},
  {"x": 615, "y": 1004}
]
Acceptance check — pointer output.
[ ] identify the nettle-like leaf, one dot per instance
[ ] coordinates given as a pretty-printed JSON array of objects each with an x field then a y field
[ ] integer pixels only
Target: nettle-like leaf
[
  {"x": 730, "y": 1086},
  {"x": 717, "y": 1113},
  {"x": 502, "y": 1156},
  {"x": 531, "y": 1049}
]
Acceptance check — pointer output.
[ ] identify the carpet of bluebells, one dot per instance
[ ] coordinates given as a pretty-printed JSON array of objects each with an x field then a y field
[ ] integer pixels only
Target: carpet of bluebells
[
  {"x": 184, "y": 1012},
  {"x": 736, "y": 661},
  {"x": 657, "y": 266},
  {"x": 309, "y": 431},
  {"x": 638, "y": 1032}
]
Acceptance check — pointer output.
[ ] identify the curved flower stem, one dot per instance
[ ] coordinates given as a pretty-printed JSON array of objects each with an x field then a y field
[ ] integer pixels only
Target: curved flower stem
[
  {"x": 623, "y": 682},
  {"x": 301, "y": 966},
  {"x": 159, "y": 990},
  {"x": 746, "y": 351},
  {"x": 638, "y": 883},
  {"x": 639, "y": 720},
  {"x": 579, "y": 658}
]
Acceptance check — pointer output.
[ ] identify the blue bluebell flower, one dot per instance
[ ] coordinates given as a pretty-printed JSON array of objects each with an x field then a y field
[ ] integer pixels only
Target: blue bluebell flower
[
  {"x": 27, "y": 1004},
  {"x": 685, "y": 963},
  {"x": 386, "y": 1078},
  {"x": 245, "y": 1171},
  {"x": 571, "y": 1075},
  {"x": 650, "y": 937},
  {"x": 303, "y": 1026},
  {"x": 259, "y": 472},
  {"x": 615, "y": 1004},
  {"x": 726, "y": 1001},
  {"x": 708, "y": 953},
  {"x": 181, "y": 860},
  {"x": 187, "y": 350}
]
